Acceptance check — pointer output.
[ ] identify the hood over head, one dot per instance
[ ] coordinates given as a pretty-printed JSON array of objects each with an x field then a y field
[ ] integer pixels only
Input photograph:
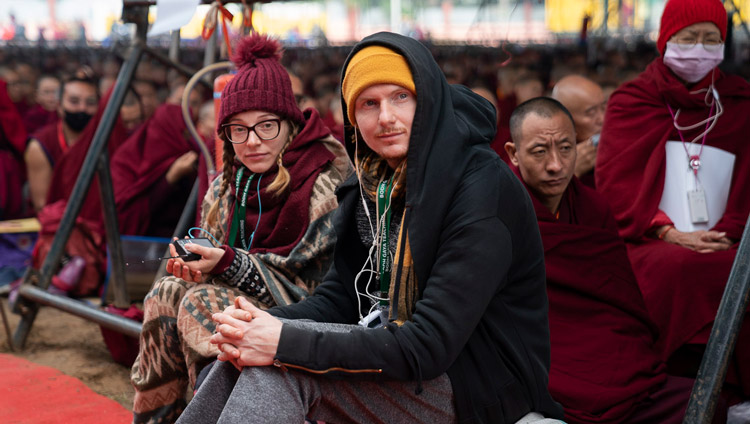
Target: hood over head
[{"x": 451, "y": 125}]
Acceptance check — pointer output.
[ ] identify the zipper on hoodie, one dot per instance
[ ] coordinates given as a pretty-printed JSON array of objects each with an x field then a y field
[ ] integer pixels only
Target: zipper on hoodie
[{"x": 285, "y": 367}]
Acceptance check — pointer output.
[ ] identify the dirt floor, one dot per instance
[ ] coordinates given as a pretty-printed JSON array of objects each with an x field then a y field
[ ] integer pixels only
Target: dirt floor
[{"x": 75, "y": 347}]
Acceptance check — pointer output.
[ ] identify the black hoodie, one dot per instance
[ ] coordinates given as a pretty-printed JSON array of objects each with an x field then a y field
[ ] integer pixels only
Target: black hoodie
[{"x": 481, "y": 316}]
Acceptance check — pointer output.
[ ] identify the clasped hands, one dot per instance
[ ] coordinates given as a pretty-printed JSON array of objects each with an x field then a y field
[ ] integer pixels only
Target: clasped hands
[
  {"x": 700, "y": 241},
  {"x": 245, "y": 335}
]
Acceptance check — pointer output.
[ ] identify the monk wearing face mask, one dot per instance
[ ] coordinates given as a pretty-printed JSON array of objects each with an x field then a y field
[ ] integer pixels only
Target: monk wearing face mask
[
  {"x": 46, "y": 148},
  {"x": 674, "y": 164}
]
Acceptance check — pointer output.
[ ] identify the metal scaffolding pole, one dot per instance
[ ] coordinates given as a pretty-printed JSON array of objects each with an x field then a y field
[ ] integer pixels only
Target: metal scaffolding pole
[
  {"x": 33, "y": 291},
  {"x": 25, "y": 306},
  {"x": 726, "y": 328},
  {"x": 174, "y": 46},
  {"x": 120, "y": 324},
  {"x": 114, "y": 246}
]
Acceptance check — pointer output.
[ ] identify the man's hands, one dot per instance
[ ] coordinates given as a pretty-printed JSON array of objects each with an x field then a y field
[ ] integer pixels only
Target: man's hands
[
  {"x": 699, "y": 241},
  {"x": 246, "y": 335},
  {"x": 193, "y": 271},
  {"x": 585, "y": 157}
]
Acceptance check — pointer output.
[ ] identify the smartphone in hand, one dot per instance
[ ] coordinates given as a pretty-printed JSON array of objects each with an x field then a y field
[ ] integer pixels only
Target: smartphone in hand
[{"x": 187, "y": 256}]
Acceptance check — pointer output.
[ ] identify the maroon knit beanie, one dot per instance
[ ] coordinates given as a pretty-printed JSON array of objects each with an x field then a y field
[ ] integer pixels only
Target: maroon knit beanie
[
  {"x": 261, "y": 83},
  {"x": 679, "y": 14}
]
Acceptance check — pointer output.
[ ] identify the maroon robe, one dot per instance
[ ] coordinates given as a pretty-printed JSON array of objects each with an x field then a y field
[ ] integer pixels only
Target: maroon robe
[
  {"x": 87, "y": 238},
  {"x": 65, "y": 172},
  {"x": 505, "y": 107},
  {"x": 204, "y": 180},
  {"x": 12, "y": 167},
  {"x": 49, "y": 137},
  {"x": 336, "y": 129},
  {"x": 142, "y": 194},
  {"x": 603, "y": 360},
  {"x": 23, "y": 108},
  {"x": 682, "y": 288},
  {"x": 588, "y": 179},
  {"x": 498, "y": 143},
  {"x": 38, "y": 117}
]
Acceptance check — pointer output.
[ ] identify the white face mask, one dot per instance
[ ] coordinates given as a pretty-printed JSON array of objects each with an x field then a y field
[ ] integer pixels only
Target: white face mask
[{"x": 692, "y": 63}]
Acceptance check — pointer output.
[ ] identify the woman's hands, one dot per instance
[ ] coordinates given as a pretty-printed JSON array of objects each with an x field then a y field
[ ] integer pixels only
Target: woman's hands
[
  {"x": 700, "y": 241},
  {"x": 193, "y": 271},
  {"x": 246, "y": 335}
]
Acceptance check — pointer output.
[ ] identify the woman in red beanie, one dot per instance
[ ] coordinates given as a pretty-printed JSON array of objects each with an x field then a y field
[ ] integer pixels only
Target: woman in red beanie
[
  {"x": 674, "y": 164},
  {"x": 269, "y": 213}
]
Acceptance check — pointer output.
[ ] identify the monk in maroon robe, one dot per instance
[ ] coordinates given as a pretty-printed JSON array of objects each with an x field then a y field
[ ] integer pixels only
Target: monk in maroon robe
[
  {"x": 44, "y": 112},
  {"x": 12, "y": 145},
  {"x": 681, "y": 272},
  {"x": 87, "y": 238},
  {"x": 585, "y": 100},
  {"x": 150, "y": 181},
  {"x": 78, "y": 104},
  {"x": 604, "y": 364}
]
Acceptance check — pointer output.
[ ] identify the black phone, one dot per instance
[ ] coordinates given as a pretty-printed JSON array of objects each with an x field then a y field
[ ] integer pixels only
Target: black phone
[{"x": 179, "y": 246}]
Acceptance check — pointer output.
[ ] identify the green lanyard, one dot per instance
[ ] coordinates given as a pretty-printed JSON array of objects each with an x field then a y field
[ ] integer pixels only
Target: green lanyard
[
  {"x": 385, "y": 188},
  {"x": 240, "y": 211}
]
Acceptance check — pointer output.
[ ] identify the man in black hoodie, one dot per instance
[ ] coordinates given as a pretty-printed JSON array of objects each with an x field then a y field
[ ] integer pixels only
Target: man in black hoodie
[{"x": 435, "y": 307}]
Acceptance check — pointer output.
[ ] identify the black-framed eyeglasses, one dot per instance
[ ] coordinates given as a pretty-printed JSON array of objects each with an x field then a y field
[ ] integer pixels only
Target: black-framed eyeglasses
[{"x": 265, "y": 130}]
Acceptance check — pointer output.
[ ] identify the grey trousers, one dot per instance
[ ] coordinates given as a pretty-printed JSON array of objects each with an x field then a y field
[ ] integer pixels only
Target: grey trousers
[{"x": 272, "y": 395}]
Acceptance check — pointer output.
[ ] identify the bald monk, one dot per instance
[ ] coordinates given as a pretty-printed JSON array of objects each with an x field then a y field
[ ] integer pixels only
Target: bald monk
[
  {"x": 522, "y": 84},
  {"x": 604, "y": 367},
  {"x": 685, "y": 104},
  {"x": 586, "y": 102}
]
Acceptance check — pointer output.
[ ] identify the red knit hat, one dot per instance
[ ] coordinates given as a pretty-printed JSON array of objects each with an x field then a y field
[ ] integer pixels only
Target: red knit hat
[
  {"x": 261, "y": 83},
  {"x": 679, "y": 14}
]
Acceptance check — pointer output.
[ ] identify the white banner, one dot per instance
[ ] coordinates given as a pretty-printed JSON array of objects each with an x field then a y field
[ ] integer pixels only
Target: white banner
[{"x": 172, "y": 14}]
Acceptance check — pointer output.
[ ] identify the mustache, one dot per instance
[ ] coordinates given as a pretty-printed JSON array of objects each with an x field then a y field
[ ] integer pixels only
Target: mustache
[{"x": 390, "y": 131}]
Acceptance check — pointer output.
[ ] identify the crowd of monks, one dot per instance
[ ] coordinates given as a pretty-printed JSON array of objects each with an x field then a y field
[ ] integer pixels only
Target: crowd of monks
[{"x": 635, "y": 274}]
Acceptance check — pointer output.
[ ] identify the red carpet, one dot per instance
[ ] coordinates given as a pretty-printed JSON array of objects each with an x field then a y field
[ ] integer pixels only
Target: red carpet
[{"x": 35, "y": 394}]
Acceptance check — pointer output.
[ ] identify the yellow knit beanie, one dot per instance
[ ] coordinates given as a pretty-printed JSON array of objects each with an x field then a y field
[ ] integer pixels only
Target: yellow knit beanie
[{"x": 374, "y": 65}]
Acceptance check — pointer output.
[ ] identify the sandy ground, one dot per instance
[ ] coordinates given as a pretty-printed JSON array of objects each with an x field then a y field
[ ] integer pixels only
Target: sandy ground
[{"x": 75, "y": 347}]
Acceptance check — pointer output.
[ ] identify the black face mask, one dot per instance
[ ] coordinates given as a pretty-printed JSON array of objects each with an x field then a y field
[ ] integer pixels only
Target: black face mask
[{"x": 77, "y": 120}]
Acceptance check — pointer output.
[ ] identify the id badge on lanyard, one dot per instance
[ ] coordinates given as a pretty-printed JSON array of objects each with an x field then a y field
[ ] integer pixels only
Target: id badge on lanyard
[
  {"x": 385, "y": 189},
  {"x": 697, "y": 204}
]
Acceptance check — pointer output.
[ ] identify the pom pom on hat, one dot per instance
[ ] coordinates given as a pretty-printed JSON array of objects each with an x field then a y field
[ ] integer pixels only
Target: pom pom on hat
[
  {"x": 261, "y": 83},
  {"x": 679, "y": 14},
  {"x": 255, "y": 46}
]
